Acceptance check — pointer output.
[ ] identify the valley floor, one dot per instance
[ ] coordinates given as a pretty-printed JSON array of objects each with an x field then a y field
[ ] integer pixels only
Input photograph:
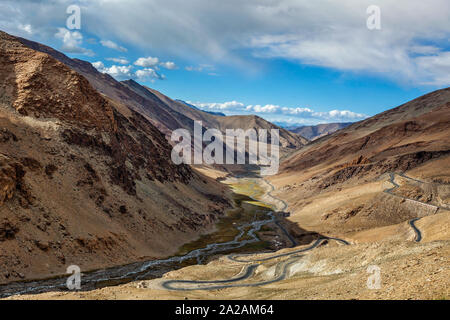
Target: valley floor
[
  {"x": 408, "y": 271},
  {"x": 332, "y": 270}
]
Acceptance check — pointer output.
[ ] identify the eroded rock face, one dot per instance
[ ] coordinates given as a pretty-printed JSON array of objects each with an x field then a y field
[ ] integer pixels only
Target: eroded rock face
[
  {"x": 132, "y": 143},
  {"x": 8, "y": 230},
  {"x": 59, "y": 92},
  {"x": 8, "y": 179},
  {"x": 76, "y": 164}
]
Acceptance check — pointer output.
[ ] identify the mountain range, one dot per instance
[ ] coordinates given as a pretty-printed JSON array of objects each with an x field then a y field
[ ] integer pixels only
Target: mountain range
[
  {"x": 319, "y": 130},
  {"x": 86, "y": 175},
  {"x": 335, "y": 183}
]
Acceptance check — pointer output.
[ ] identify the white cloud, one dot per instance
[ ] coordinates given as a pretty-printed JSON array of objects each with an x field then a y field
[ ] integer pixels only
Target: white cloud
[
  {"x": 119, "y": 60},
  {"x": 148, "y": 74},
  {"x": 98, "y": 65},
  {"x": 147, "y": 62},
  {"x": 331, "y": 34},
  {"x": 26, "y": 27},
  {"x": 169, "y": 65},
  {"x": 154, "y": 63},
  {"x": 72, "y": 41},
  {"x": 328, "y": 33},
  {"x": 282, "y": 114},
  {"x": 112, "y": 45},
  {"x": 436, "y": 68},
  {"x": 126, "y": 72},
  {"x": 230, "y": 105},
  {"x": 268, "y": 108},
  {"x": 421, "y": 49},
  {"x": 339, "y": 115},
  {"x": 118, "y": 72}
]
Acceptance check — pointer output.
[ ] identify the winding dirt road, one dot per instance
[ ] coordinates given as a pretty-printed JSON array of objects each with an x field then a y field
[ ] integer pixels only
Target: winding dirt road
[
  {"x": 132, "y": 272},
  {"x": 416, "y": 230},
  {"x": 248, "y": 271},
  {"x": 411, "y": 222},
  {"x": 282, "y": 268},
  {"x": 146, "y": 270}
]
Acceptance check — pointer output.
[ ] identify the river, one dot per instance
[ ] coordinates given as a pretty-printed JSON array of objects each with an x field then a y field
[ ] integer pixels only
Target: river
[{"x": 253, "y": 215}]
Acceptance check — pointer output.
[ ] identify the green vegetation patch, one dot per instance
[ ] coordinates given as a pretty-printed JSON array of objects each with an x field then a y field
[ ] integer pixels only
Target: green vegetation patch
[{"x": 246, "y": 211}]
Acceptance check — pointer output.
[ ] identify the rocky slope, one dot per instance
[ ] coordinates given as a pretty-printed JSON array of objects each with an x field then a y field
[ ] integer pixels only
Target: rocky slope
[
  {"x": 166, "y": 114},
  {"x": 330, "y": 271},
  {"x": 400, "y": 138},
  {"x": 335, "y": 184},
  {"x": 85, "y": 179}
]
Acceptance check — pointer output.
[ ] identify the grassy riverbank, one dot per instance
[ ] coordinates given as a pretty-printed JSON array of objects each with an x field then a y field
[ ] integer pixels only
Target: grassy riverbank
[{"x": 247, "y": 209}]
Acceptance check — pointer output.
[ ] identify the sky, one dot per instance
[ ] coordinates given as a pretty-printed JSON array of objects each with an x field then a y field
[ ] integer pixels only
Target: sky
[{"x": 293, "y": 62}]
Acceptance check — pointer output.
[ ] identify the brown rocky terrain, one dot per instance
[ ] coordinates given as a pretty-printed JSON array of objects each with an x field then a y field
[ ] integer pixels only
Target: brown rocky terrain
[
  {"x": 86, "y": 179},
  {"x": 335, "y": 184},
  {"x": 408, "y": 270}
]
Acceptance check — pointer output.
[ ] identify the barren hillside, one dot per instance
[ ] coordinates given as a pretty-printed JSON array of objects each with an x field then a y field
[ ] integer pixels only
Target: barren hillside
[
  {"x": 335, "y": 184},
  {"x": 84, "y": 179}
]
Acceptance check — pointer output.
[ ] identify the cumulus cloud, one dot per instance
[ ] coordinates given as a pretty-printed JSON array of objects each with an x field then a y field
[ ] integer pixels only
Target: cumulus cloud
[
  {"x": 72, "y": 42},
  {"x": 230, "y": 105},
  {"x": 118, "y": 72},
  {"x": 155, "y": 63},
  {"x": 278, "y": 113},
  {"x": 148, "y": 74},
  {"x": 98, "y": 65},
  {"x": 112, "y": 45},
  {"x": 268, "y": 108},
  {"x": 119, "y": 60},
  {"x": 328, "y": 33},
  {"x": 121, "y": 72},
  {"x": 147, "y": 62}
]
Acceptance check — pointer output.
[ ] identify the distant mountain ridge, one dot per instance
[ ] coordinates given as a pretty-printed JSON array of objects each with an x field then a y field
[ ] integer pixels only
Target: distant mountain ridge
[
  {"x": 318, "y": 131},
  {"x": 412, "y": 131},
  {"x": 288, "y": 140}
]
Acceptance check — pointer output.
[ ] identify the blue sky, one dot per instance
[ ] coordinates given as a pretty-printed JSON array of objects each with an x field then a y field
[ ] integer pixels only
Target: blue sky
[{"x": 290, "y": 61}]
